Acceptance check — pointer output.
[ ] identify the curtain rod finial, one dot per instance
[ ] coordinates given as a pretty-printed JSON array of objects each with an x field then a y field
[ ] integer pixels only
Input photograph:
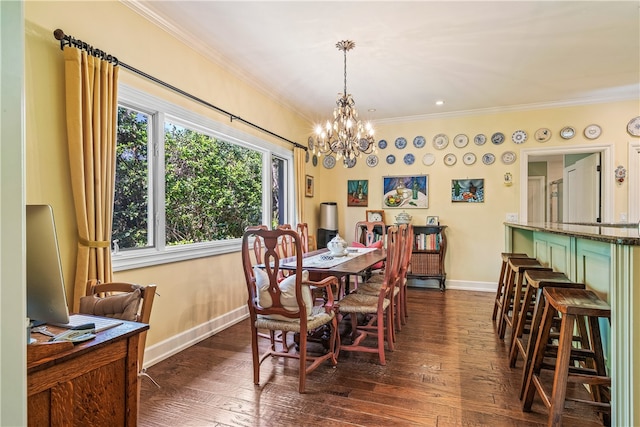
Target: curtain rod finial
[{"x": 58, "y": 34}]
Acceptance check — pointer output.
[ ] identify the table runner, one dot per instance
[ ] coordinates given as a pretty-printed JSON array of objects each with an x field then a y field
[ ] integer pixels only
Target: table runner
[{"x": 326, "y": 260}]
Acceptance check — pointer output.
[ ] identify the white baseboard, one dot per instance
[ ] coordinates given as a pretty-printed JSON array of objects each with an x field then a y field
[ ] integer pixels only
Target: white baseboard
[
  {"x": 167, "y": 348},
  {"x": 462, "y": 285}
]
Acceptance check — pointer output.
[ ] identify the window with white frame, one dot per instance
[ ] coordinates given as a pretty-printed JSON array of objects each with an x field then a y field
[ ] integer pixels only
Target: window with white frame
[{"x": 187, "y": 186}]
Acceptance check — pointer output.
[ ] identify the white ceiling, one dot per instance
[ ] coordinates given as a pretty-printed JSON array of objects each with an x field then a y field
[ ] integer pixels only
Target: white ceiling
[{"x": 474, "y": 55}]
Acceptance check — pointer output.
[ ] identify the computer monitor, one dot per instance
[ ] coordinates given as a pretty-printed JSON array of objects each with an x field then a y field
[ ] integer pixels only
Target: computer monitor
[{"x": 46, "y": 299}]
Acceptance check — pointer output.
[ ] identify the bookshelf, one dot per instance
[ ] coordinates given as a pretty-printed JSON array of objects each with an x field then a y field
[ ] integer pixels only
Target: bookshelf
[{"x": 429, "y": 249}]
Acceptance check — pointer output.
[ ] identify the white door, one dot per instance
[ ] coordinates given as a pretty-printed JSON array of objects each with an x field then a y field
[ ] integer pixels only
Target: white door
[
  {"x": 581, "y": 202},
  {"x": 536, "y": 206}
]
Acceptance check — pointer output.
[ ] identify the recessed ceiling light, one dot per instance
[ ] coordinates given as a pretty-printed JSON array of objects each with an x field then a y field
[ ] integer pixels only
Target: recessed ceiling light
[
  {"x": 372, "y": 110},
  {"x": 439, "y": 102}
]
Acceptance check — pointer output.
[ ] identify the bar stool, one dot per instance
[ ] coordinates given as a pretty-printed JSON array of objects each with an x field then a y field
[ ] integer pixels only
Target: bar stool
[
  {"x": 572, "y": 304},
  {"x": 513, "y": 292},
  {"x": 497, "y": 305},
  {"x": 530, "y": 314}
]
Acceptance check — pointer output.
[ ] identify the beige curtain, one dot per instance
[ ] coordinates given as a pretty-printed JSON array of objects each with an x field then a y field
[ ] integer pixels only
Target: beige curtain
[
  {"x": 91, "y": 106},
  {"x": 300, "y": 180}
]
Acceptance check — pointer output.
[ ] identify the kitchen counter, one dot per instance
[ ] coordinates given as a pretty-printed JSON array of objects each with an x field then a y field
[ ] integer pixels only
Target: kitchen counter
[{"x": 620, "y": 234}]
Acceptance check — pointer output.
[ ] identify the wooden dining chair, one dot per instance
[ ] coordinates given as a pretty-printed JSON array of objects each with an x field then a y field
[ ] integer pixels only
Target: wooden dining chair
[
  {"x": 125, "y": 301},
  {"x": 370, "y": 234},
  {"x": 303, "y": 231},
  {"x": 377, "y": 309},
  {"x": 287, "y": 306},
  {"x": 373, "y": 285}
]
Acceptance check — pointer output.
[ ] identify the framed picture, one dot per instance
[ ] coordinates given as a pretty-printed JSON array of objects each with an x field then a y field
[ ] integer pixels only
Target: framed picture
[
  {"x": 358, "y": 192},
  {"x": 467, "y": 190},
  {"x": 308, "y": 186},
  {"x": 409, "y": 191},
  {"x": 433, "y": 220},
  {"x": 374, "y": 216}
]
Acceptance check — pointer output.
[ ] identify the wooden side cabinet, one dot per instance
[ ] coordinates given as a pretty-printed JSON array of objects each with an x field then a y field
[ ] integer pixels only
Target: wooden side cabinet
[
  {"x": 429, "y": 249},
  {"x": 94, "y": 383}
]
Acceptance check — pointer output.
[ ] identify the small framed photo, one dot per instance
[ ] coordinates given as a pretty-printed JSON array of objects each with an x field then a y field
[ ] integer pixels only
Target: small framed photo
[
  {"x": 375, "y": 216},
  {"x": 433, "y": 220},
  {"x": 308, "y": 186}
]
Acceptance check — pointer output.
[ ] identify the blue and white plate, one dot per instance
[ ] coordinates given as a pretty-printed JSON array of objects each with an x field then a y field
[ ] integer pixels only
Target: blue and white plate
[
  {"x": 391, "y": 159},
  {"x": 409, "y": 159},
  {"x": 519, "y": 136},
  {"x": 329, "y": 162},
  {"x": 497, "y": 138},
  {"x": 401, "y": 143},
  {"x": 382, "y": 144},
  {"x": 419, "y": 141},
  {"x": 480, "y": 139},
  {"x": 488, "y": 159},
  {"x": 351, "y": 162},
  {"x": 372, "y": 160}
]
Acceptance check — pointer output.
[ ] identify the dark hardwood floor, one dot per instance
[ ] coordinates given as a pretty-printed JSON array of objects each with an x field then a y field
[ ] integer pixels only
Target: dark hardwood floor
[{"x": 449, "y": 369}]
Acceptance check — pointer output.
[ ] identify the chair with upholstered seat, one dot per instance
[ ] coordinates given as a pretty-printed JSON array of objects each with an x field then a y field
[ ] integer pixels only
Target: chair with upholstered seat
[
  {"x": 287, "y": 306},
  {"x": 121, "y": 300},
  {"x": 377, "y": 309}
]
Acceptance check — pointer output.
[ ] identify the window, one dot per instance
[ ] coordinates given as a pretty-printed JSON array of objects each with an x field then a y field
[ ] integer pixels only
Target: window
[{"x": 187, "y": 186}]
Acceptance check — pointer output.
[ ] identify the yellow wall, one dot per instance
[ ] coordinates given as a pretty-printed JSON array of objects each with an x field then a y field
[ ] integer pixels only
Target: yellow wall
[
  {"x": 191, "y": 293},
  {"x": 475, "y": 232}
]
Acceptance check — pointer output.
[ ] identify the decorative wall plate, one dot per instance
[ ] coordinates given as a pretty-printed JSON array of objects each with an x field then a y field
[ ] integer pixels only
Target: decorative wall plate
[
  {"x": 469, "y": 158},
  {"x": 372, "y": 160},
  {"x": 351, "y": 162},
  {"x": 634, "y": 126},
  {"x": 401, "y": 143},
  {"x": 519, "y": 136},
  {"x": 409, "y": 159},
  {"x": 428, "y": 159},
  {"x": 488, "y": 159},
  {"x": 450, "y": 159},
  {"x": 542, "y": 135},
  {"x": 440, "y": 141},
  {"x": 567, "y": 132},
  {"x": 314, "y": 160},
  {"x": 480, "y": 139},
  {"x": 461, "y": 140},
  {"x": 497, "y": 138},
  {"x": 391, "y": 159},
  {"x": 419, "y": 141},
  {"x": 592, "y": 131},
  {"x": 382, "y": 144},
  {"x": 306, "y": 156},
  {"x": 508, "y": 157},
  {"x": 329, "y": 162},
  {"x": 311, "y": 143}
]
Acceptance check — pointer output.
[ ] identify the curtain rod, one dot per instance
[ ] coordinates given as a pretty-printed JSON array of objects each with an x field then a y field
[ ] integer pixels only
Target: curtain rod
[{"x": 66, "y": 40}]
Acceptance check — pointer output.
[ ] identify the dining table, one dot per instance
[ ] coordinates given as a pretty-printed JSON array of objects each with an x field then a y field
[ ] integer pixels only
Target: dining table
[{"x": 322, "y": 263}]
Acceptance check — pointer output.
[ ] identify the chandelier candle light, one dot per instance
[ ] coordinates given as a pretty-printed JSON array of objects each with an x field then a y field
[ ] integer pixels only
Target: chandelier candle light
[{"x": 346, "y": 136}]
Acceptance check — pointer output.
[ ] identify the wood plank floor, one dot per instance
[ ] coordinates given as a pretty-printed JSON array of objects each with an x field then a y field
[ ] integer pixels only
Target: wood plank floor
[{"x": 449, "y": 369}]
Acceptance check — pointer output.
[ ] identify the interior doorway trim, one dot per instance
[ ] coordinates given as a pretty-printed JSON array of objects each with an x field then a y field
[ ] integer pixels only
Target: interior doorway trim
[
  {"x": 607, "y": 173},
  {"x": 633, "y": 179}
]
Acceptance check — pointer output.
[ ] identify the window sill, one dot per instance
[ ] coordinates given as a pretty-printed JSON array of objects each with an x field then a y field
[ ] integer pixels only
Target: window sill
[{"x": 129, "y": 260}]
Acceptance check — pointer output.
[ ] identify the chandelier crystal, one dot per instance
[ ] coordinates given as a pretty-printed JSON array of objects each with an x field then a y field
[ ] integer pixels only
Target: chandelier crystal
[{"x": 346, "y": 135}]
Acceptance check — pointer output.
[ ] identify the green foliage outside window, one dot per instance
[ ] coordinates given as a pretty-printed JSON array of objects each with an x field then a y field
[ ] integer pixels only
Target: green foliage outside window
[{"x": 213, "y": 188}]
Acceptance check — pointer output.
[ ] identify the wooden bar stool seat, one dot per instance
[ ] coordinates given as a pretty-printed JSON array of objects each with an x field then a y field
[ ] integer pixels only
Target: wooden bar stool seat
[
  {"x": 530, "y": 315},
  {"x": 513, "y": 292},
  {"x": 497, "y": 305},
  {"x": 571, "y": 304}
]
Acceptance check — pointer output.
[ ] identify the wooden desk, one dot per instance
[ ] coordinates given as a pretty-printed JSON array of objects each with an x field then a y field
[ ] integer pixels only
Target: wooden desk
[{"x": 94, "y": 383}]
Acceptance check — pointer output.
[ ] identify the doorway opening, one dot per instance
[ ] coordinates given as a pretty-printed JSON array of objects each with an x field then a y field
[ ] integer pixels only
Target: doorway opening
[{"x": 556, "y": 156}]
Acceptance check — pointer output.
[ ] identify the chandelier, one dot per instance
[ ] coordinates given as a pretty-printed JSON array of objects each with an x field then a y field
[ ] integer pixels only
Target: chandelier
[{"x": 346, "y": 136}]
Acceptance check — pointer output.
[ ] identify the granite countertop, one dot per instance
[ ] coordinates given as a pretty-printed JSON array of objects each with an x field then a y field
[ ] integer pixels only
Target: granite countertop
[{"x": 621, "y": 234}]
